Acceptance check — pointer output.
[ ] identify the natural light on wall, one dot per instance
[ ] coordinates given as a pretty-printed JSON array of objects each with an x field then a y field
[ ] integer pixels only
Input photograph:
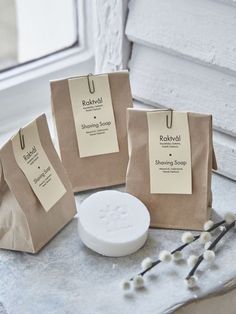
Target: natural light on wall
[{"x": 29, "y": 30}]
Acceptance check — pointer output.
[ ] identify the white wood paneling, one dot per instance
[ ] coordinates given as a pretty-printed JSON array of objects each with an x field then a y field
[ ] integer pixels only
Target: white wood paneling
[
  {"x": 202, "y": 30},
  {"x": 159, "y": 78}
]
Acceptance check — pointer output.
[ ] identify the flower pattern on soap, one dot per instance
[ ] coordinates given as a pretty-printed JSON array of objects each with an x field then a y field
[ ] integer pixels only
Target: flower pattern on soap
[{"x": 114, "y": 218}]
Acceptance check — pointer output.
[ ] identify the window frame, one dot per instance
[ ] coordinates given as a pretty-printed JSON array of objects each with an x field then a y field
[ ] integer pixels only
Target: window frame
[{"x": 60, "y": 59}]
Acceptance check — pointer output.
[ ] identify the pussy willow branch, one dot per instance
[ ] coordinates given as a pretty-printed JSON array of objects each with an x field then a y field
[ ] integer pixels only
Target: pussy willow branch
[
  {"x": 211, "y": 247},
  {"x": 180, "y": 248}
]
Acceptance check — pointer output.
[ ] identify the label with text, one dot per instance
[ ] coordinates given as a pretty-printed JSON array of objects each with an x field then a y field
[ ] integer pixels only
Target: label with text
[
  {"x": 169, "y": 153},
  {"x": 33, "y": 161},
  {"x": 93, "y": 115}
]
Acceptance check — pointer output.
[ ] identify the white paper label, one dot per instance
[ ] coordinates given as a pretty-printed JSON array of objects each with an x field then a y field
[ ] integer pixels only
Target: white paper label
[
  {"x": 169, "y": 153},
  {"x": 33, "y": 161},
  {"x": 93, "y": 115}
]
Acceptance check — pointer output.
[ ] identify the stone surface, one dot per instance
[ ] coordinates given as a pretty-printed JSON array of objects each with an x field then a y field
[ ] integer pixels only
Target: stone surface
[{"x": 66, "y": 277}]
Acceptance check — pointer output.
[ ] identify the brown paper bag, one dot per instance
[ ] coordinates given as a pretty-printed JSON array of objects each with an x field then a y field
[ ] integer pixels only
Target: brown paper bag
[
  {"x": 99, "y": 170},
  {"x": 180, "y": 211},
  {"x": 24, "y": 224}
]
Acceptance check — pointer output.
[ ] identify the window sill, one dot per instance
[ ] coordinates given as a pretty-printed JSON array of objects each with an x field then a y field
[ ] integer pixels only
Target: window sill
[
  {"x": 44, "y": 66},
  {"x": 27, "y": 95}
]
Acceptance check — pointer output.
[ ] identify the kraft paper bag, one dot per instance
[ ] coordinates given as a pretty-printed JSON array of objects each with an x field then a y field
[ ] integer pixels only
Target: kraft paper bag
[
  {"x": 188, "y": 203},
  {"x": 92, "y": 159},
  {"x": 32, "y": 212}
]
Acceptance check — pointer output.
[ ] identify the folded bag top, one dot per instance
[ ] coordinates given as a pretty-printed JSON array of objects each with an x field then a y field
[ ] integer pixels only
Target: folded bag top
[
  {"x": 90, "y": 118},
  {"x": 28, "y": 221},
  {"x": 178, "y": 210}
]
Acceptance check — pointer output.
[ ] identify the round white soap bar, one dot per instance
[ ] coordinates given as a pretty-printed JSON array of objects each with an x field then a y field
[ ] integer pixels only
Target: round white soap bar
[{"x": 113, "y": 223}]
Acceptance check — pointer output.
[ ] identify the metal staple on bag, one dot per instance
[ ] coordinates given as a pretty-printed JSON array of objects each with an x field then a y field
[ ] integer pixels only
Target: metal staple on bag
[
  {"x": 22, "y": 139},
  {"x": 90, "y": 84},
  {"x": 169, "y": 125}
]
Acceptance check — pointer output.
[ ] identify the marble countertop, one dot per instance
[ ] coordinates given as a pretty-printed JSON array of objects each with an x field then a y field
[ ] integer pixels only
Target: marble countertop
[{"x": 66, "y": 277}]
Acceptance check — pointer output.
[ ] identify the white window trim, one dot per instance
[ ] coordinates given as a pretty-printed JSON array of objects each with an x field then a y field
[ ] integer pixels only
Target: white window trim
[
  {"x": 25, "y": 92},
  {"x": 59, "y": 60}
]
